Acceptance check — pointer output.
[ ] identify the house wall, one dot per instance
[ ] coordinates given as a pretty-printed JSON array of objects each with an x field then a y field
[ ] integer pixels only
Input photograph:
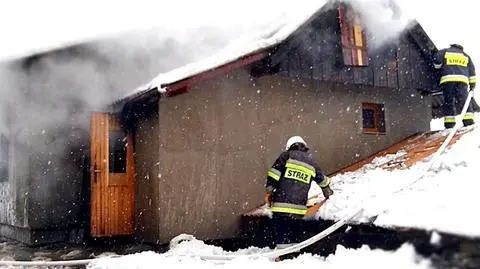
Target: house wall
[
  {"x": 147, "y": 162},
  {"x": 12, "y": 191},
  {"x": 15, "y": 192},
  {"x": 217, "y": 141},
  {"x": 44, "y": 199},
  {"x": 210, "y": 159},
  {"x": 57, "y": 173},
  {"x": 43, "y": 192}
]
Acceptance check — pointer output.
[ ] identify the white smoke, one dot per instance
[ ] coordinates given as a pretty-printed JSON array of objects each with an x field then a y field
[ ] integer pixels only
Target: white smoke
[
  {"x": 384, "y": 20},
  {"x": 62, "y": 88}
]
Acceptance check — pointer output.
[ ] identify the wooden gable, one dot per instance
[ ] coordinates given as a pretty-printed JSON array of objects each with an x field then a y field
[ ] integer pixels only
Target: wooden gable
[{"x": 334, "y": 47}]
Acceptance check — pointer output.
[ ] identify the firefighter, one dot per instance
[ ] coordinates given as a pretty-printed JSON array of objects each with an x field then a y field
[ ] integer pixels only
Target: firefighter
[
  {"x": 457, "y": 74},
  {"x": 287, "y": 186}
]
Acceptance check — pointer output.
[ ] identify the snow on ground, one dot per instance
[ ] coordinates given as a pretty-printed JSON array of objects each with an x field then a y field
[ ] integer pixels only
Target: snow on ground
[
  {"x": 441, "y": 201},
  {"x": 364, "y": 257}
]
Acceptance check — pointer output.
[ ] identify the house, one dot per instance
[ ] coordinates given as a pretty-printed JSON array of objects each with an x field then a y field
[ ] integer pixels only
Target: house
[{"x": 187, "y": 152}]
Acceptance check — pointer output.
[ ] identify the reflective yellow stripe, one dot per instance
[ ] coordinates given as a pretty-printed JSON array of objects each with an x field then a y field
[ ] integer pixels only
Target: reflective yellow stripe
[
  {"x": 325, "y": 182},
  {"x": 288, "y": 205},
  {"x": 454, "y": 78},
  {"x": 473, "y": 79},
  {"x": 289, "y": 210},
  {"x": 301, "y": 167},
  {"x": 469, "y": 116},
  {"x": 273, "y": 175},
  {"x": 449, "y": 119},
  {"x": 455, "y": 58}
]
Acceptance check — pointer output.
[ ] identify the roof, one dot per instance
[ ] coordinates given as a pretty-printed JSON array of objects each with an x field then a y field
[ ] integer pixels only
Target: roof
[
  {"x": 401, "y": 155},
  {"x": 252, "y": 45},
  {"x": 405, "y": 153},
  {"x": 245, "y": 46}
]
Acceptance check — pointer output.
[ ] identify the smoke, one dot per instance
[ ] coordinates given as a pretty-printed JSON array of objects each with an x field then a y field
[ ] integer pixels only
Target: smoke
[
  {"x": 56, "y": 92},
  {"x": 60, "y": 89},
  {"x": 46, "y": 99},
  {"x": 384, "y": 20}
]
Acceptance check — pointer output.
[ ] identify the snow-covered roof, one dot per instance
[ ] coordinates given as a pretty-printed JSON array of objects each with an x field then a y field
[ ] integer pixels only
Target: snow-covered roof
[
  {"x": 440, "y": 201},
  {"x": 247, "y": 44}
]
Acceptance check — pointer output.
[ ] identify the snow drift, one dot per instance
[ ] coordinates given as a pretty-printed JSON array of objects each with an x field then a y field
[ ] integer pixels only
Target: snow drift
[
  {"x": 440, "y": 201},
  {"x": 404, "y": 257}
]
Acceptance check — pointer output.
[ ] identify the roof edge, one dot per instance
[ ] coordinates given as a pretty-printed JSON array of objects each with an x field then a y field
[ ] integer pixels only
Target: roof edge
[{"x": 277, "y": 37}]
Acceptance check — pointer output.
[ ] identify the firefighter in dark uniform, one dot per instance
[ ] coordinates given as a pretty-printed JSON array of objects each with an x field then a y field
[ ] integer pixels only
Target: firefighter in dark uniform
[
  {"x": 288, "y": 183},
  {"x": 457, "y": 73}
]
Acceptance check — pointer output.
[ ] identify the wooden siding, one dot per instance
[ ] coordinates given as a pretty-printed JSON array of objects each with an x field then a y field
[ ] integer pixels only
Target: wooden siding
[
  {"x": 316, "y": 53},
  {"x": 112, "y": 193},
  {"x": 7, "y": 205}
]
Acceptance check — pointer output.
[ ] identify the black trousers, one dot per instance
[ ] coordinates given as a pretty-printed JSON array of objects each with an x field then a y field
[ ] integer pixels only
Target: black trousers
[
  {"x": 287, "y": 228},
  {"x": 455, "y": 94}
]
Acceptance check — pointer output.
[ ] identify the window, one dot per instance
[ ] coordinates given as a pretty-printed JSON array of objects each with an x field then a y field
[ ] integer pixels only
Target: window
[
  {"x": 118, "y": 152},
  {"x": 354, "y": 43},
  {"x": 373, "y": 118},
  {"x": 4, "y": 158}
]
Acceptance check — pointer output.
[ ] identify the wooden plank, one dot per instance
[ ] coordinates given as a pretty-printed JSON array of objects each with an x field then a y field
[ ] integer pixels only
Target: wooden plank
[
  {"x": 112, "y": 193},
  {"x": 103, "y": 141},
  {"x": 130, "y": 199},
  {"x": 97, "y": 178},
  {"x": 93, "y": 201}
]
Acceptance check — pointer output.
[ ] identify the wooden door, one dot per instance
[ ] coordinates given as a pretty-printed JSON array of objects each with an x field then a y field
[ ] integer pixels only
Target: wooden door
[{"x": 112, "y": 177}]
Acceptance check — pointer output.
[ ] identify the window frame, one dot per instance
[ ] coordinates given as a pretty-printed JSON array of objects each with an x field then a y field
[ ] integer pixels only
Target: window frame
[
  {"x": 378, "y": 119},
  {"x": 353, "y": 39}
]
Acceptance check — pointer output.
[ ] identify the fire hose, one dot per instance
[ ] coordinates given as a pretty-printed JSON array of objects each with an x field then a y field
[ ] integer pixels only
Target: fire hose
[{"x": 352, "y": 213}]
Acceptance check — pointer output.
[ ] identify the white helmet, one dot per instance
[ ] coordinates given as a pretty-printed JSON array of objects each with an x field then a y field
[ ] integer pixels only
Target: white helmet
[{"x": 294, "y": 139}]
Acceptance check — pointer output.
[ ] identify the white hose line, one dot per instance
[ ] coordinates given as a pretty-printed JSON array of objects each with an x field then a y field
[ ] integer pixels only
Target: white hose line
[
  {"x": 275, "y": 253},
  {"x": 433, "y": 159},
  {"x": 445, "y": 143}
]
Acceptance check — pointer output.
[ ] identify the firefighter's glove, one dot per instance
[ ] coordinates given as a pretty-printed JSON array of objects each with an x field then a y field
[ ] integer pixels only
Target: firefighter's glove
[
  {"x": 327, "y": 191},
  {"x": 268, "y": 198}
]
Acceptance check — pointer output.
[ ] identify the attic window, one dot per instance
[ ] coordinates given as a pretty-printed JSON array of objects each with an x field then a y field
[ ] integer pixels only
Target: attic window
[
  {"x": 353, "y": 40},
  {"x": 373, "y": 118},
  {"x": 4, "y": 158}
]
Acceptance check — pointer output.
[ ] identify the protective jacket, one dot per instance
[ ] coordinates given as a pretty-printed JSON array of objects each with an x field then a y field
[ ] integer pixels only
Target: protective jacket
[
  {"x": 289, "y": 180},
  {"x": 455, "y": 66}
]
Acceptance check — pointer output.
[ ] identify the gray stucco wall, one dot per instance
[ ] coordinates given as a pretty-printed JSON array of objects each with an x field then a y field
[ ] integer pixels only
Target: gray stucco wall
[
  {"x": 146, "y": 169},
  {"x": 217, "y": 141}
]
